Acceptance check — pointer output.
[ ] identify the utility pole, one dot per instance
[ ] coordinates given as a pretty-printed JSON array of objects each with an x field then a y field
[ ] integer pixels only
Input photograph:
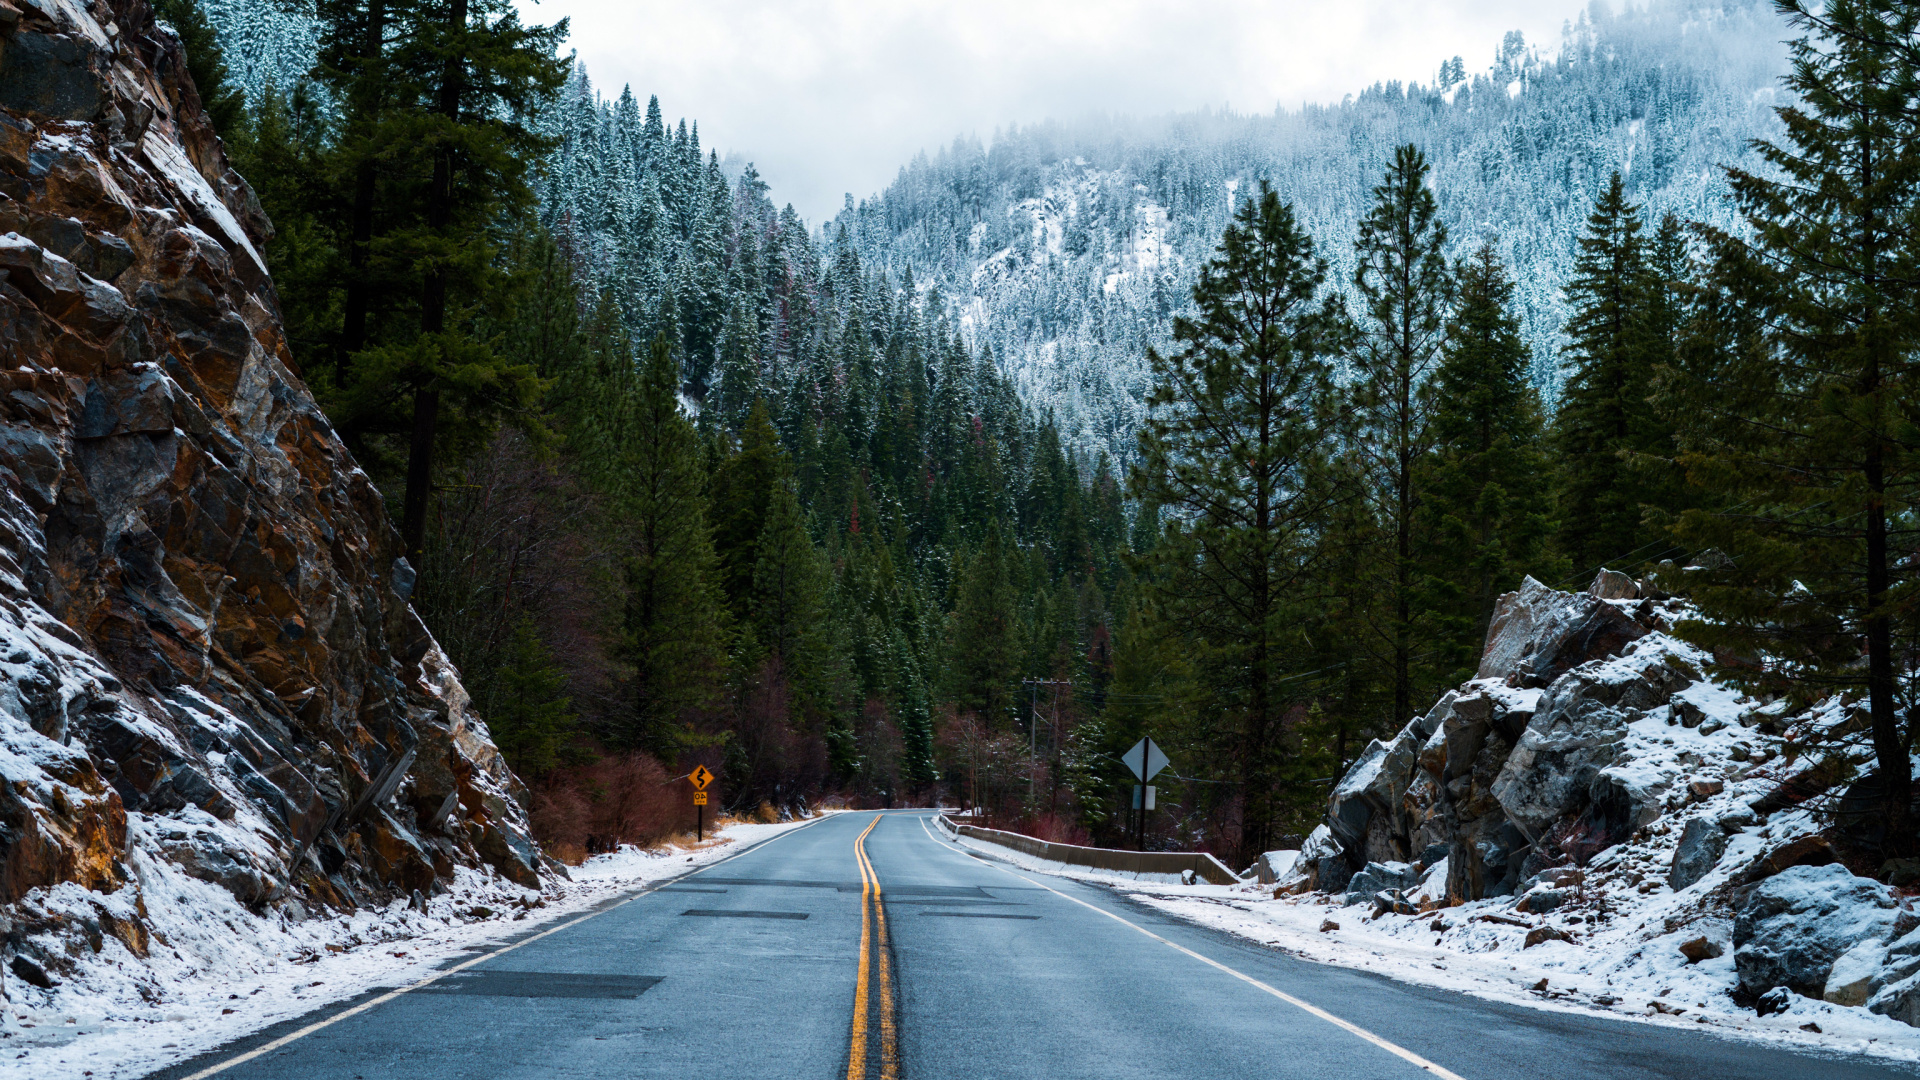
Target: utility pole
[{"x": 1033, "y": 727}]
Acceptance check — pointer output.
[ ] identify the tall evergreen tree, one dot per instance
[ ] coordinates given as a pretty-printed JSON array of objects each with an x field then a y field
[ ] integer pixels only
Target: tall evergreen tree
[
  {"x": 1813, "y": 421},
  {"x": 1604, "y": 414},
  {"x": 1406, "y": 286},
  {"x": 1234, "y": 447},
  {"x": 1485, "y": 514},
  {"x": 648, "y": 455}
]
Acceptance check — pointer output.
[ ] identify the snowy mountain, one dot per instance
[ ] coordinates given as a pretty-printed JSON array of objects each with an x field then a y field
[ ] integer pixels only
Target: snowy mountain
[{"x": 1067, "y": 246}]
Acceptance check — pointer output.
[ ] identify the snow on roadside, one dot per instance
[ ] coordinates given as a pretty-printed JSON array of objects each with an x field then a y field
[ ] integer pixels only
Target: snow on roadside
[
  {"x": 218, "y": 972},
  {"x": 1618, "y": 972}
]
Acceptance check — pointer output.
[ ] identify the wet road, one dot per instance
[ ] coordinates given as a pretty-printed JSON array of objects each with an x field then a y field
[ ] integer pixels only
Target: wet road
[{"x": 866, "y": 945}]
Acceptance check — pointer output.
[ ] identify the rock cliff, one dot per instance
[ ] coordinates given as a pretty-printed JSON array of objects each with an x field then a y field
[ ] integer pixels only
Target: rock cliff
[{"x": 206, "y": 648}]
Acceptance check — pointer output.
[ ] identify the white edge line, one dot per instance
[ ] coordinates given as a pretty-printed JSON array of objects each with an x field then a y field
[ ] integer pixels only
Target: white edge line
[
  {"x": 268, "y": 1048},
  {"x": 1305, "y": 1006}
]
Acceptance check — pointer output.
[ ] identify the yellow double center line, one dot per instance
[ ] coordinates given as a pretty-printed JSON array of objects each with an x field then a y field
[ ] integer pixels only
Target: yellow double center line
[{"x": 874, "y": 960}]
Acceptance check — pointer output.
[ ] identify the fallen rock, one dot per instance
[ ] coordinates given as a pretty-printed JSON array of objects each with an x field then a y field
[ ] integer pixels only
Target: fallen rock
[
  {"x": 1327, "y": 926},
  {"x": 1379, "y": 877},
  {"x": 1613, "y": 585},
  {"x": 1793, "y": 926},
  {"x": 1899, "y": 872},
  {"x": 1701, "y": 948},
  {"x": 1705, "y": 788},
  {"x": 1777, "y": 1000},
  {"x": 1541, "y": 901},
  {"x": 31, "y": 973},
  {"x": 1813, "y": 850},
  {"x": 1701, "y": 845},
  {"x": 1274, "y": 865},
  {"x": 1392, "y": 902},
  {"x": 1545, "y": 933}
]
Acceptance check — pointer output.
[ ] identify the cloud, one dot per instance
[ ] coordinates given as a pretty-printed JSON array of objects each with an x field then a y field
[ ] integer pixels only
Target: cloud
[{"x": 830, "y": 97}]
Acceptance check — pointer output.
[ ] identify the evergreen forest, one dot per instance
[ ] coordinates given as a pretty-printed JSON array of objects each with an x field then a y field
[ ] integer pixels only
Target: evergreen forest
[{"x": 1187, "y": 427}]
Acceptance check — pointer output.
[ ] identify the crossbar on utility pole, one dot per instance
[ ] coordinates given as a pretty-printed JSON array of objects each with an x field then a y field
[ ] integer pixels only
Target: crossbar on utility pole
[{"x": 1033, "y": 725}]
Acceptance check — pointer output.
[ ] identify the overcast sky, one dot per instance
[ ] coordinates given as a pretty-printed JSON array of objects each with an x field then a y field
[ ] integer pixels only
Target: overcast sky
[{"x": 833, "y": 96}]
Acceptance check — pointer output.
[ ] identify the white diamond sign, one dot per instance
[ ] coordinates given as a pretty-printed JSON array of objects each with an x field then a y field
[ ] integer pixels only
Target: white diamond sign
[{"x": 1145, "y": 759}]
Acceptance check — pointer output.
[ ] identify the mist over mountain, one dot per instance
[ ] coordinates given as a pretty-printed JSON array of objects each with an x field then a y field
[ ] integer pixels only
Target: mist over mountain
[{"x": 1067, "y": 246}]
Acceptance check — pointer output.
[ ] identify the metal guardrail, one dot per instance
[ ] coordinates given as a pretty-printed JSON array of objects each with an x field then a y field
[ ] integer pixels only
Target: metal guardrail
[{"x": 1203, "y": 865}]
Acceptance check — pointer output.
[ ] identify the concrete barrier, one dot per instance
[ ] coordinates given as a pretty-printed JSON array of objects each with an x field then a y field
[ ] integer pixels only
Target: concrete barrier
[{"x": 1203, "y": 865}]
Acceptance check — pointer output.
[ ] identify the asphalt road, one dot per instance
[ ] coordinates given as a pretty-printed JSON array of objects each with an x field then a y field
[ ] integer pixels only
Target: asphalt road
[{"x": 963, "y": 968}]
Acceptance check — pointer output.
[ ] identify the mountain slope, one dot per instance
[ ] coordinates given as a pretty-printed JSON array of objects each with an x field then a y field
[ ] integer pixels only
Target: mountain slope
[{"x": 1067, "y": 246}]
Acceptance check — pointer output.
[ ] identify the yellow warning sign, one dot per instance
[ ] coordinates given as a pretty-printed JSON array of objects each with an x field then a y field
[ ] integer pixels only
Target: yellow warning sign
[
  {"x": 701, "y": 778},
  {"x": 699, "y": 798}
]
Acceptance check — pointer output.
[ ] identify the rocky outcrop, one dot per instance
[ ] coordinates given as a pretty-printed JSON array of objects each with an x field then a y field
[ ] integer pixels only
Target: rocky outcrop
[
  {"x": 204, "y": 618},
  {"x": 1526, "y": 765}
]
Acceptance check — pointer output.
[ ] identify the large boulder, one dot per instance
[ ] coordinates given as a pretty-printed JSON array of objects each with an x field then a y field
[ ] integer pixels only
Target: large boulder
[
  {"x": 1556, "y": 770},
  {"x": 1701, "y": 845},
  {"x": 1538, "y": 633},
  {"x": 1365, "y": 811},
  {"x": 1792, "y": 927}
]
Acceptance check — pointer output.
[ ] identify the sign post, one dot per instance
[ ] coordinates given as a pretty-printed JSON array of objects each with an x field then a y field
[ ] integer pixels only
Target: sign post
[
  {"x": 701, "y": 778},
  {"x": 1144, "y": 760}
]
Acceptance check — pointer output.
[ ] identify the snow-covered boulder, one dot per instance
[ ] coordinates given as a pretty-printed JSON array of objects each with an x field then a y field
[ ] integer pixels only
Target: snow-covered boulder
[
  {"x": 1271, "y": 866},
  {"x": 1381, "y": 877},
  {"x": 1538, "y": 633},
  {"x": 1793, "y": 926}
]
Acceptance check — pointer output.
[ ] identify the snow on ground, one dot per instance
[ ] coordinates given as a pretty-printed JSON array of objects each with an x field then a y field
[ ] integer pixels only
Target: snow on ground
[
  {"x": 218, "y": 972},
  {"x": 1621, "y": 969}
]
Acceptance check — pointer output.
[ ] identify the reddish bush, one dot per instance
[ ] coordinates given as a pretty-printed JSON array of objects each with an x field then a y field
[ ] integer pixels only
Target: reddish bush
[
  {"x": 1058, "y": 829},
  {"x": 620, "y": 799}
]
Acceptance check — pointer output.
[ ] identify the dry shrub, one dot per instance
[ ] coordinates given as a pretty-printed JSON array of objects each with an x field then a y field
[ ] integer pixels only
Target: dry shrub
[
  {"x": 768, "y": 815},
  {"x": 620, "y": 799},
  {"x": 1059, "y": 829}
]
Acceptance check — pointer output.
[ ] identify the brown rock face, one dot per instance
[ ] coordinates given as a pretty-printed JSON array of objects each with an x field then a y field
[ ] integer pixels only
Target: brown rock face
[{"x": 203, "y": 620}]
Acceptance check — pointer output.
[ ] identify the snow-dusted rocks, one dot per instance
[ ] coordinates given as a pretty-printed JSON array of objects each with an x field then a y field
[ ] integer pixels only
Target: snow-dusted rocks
[
  {"x": 1794, "y": 925},
  {"x": 1537, "y": 632},
  {"x": 209, "y": 669},
  {"x": 1558, "y": 768}
]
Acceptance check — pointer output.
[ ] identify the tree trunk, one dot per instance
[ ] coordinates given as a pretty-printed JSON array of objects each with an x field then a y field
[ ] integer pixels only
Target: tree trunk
[{"x": 1889, "y": 742}]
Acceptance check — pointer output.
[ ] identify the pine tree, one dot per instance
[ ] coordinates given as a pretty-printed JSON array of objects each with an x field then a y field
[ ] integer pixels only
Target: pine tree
[
  {"x": 1234, "y": 447},
  {"x": 477, "y": 75},
  {"x": 1604, "y": 413},
  {"x": 1812, "y": 419},
  {"x": 1485, "y": 514},
  {"x": 983, "y": 663},
  {"x": 529, "y": 714},
  {"x": 743, "y": 488},
  {"x": 1407, "y": 287},
  {"x": 788, "y": 603},
  {"x": 648, "y": 456}
]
